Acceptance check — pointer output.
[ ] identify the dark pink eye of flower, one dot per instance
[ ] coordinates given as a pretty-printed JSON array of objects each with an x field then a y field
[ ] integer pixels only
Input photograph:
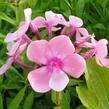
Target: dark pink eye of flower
[{"x": 54, "y": 63}]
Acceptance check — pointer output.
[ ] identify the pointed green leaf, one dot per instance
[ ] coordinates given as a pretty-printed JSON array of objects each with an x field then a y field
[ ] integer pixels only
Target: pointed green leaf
[
  {"x": 7, "y": 18},
  {"x": 80, "y": 7},
  {"x": 1, "y": 101},
  {"x": 95, "y": 93},
  {"x": 17, "y": 100},
  {"x": 29, "y": 101}
]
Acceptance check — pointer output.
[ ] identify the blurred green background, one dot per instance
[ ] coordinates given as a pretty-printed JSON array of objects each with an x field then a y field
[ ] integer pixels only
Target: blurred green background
[{"x": 13, "y": 94}]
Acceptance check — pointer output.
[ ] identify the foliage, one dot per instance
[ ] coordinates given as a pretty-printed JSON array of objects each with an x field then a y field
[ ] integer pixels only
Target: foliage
[
  {"x": 94, "y": 94},
  {"x": 15, "y": 92}
]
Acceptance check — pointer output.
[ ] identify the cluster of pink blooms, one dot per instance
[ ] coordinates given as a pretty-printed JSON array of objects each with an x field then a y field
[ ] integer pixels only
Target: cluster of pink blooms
[{"x": 57, "y": 56}]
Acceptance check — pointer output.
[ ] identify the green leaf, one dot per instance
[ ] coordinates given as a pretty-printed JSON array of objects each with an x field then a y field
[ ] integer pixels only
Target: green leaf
[
  {"x": 17, "y": 100},
  {"x": 65, "y": 102},
  {"x": 80, "y": 7},
  {"x": 1, "y": 101},
  {"x": 81, "y": 107},
  {"x": 74, "y": 82},
  {"x": 95, "y": 93},
  {"x": 32, "y": 3},
  {"x": 29, "y": 101},
  {"x": 7, "y": 18}
]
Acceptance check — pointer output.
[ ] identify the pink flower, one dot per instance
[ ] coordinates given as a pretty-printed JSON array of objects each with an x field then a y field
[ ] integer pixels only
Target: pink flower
[
  {"x": 15, "y": 39},
  {"x": 10, "y": 61},
  {"x": 51, "y": 19},
  {"x": 49, "y": 22},
  {"x": 56, "y": 57},
  {"x": 99, "y": 49},
  {"x": 101, "y": 52},
  {"x": 75, "y": 21}
]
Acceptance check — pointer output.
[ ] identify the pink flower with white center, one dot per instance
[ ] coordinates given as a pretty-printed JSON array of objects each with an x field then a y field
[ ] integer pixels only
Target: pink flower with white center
[{"x": 57, "y": 58}]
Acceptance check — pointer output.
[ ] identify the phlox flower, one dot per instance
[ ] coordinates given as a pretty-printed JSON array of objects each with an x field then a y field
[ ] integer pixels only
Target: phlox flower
[
  {"x": 57, "y": 58},
  {"x": 101, "y": 52},
  {"x": 49, "y": 22},
  {"x": 14, "y": 40},
  {"x": 17, "y": 42},
  {"x": 99, "y": 49}
]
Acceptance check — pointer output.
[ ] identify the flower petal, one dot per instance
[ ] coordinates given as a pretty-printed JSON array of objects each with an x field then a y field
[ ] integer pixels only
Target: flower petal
[
  {"x": 75, "y": 21},
  {"x": 83, "y": 31},
  {"x": 58, "y": 80},
  {"x": 39, "y": 22},
  {"x": 105, "y": 62},
  {"x": 39, "y": 80},
  {"x": 28, "y": 13},
  {"x": 50, "y": 17},
  {"x": 36, "y": 51},
  {"x": 11, "y": 37},
  {"x": 14, "y": 48},
  {"x": 22, "y": 29},
  {"x": 61, "y": 46},
  {"x": 74, "y": 65},
  {"x": 6, "y": 66},
  {"x": 101, "y": 48}
]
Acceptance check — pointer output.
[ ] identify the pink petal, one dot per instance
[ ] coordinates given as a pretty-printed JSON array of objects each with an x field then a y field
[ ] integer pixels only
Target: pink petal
[
  {"x": 6, "y": 66},
  {"x": 11, "y": 37},
  {"x": 60, "y": 18},
  {"x": 105, "y": 62},
  {"x": 36, "y": 51},
  {"x": 56, "y": 28},
  {"x": 61, "y": 46},
  {"x": 22, "y": 47},
  {"x": 50, "y": 17},
  {"x": 39, "y": 22},
  {"x": 22, "y": 30},
  {"x": 14, "y": 48},
  {"x": 9, "y": 45},
  {"x": 101, "y": 48},
  {"x": 75, "y": 21},
  {"x": 87, "y": 45},
  {"x": 58, "y": 80},
  {"x": 83, "y": 31},
  {"x": 94, "y": 42},
  {"x": 28, "y": 13},
  {"x": 39, "y": 80},
  {"x": 74, "y": 65}
]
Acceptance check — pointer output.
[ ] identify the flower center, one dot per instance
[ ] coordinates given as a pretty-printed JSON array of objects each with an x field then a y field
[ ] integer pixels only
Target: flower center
[{"x": 54, "y": 63}]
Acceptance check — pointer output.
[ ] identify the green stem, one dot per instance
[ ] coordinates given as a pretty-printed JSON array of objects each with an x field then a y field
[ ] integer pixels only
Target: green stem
[{"x": 57, "y": 98}]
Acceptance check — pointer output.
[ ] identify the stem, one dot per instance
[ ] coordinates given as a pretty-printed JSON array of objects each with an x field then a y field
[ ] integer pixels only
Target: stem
[
  {"x": 71, "y": 32},
  {"x": 24, "y": 65},
  {"x": 35, "y": 31},
  {"x": 49, "y": 32},
  {"x": 63, "y": 32},
  {"x": 28, "y": 40},
  {"x": 57, "y": 98}
]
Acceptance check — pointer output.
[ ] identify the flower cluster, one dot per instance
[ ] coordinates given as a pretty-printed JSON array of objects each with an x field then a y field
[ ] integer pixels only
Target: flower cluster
[{"x": 57, "y": 56}]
